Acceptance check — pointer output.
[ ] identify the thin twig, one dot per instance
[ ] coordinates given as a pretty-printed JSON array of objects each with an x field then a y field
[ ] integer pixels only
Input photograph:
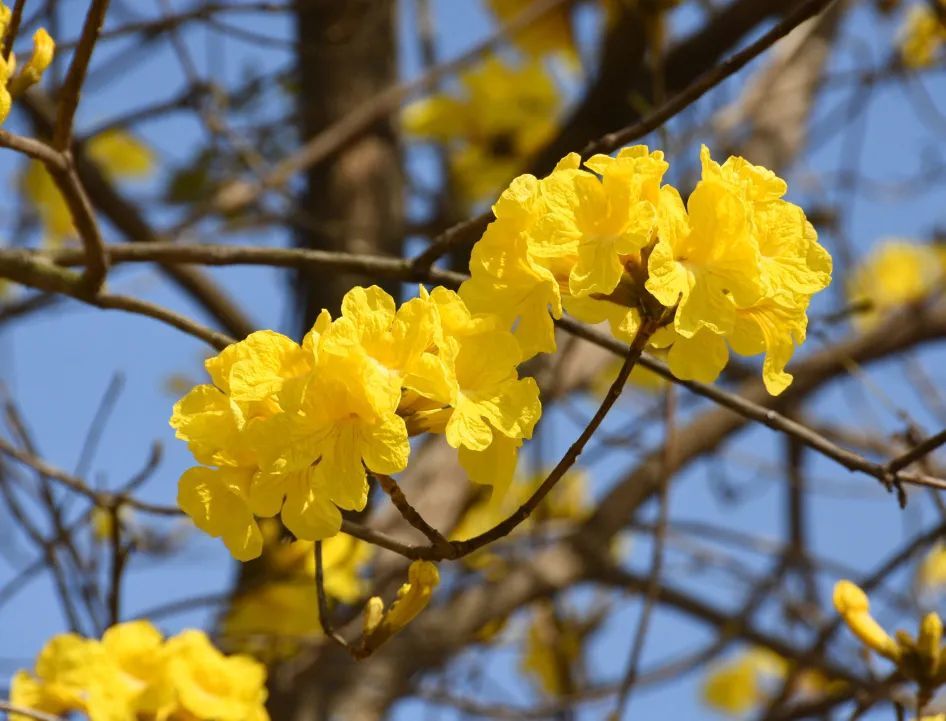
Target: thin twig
[
  {"x": 13, "y": 27},
  {"x": 72, "y": 86},
  {"x": 410, "y": 514},
  {"x": 325, "y": 620},
  {"x": 656, "y": 559},
  {"x": 348, "y": 128},
  {"x": 707, "y": 81},
  {"x": 12, "y": 709},
  {"x": 917, "y": 452},
  {"x": 102, "y": 499},
  {"x": 631, "y": 357}
]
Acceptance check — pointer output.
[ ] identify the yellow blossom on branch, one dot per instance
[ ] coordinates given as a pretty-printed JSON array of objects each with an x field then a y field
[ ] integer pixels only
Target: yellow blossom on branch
[
  {"x": 381, "y": 624},
  {"x": 921, "y": 660},
  {"x": 13, "y": 84}
]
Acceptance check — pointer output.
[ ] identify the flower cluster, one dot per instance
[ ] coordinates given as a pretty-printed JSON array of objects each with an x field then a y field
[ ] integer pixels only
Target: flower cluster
[
  {"x": 270, "y": 620},
  {"x": 13, "y": 83},
  {"x": 921, "y": 660},
  {"x": 922, "y": 35},
  {"x": 134, "y": 673},
  {"x": 895, "y": 274},
  {"x": 290, "y": 429},
  {"x": 501, "y": 115},
  {"x": 733, "y": 268}
]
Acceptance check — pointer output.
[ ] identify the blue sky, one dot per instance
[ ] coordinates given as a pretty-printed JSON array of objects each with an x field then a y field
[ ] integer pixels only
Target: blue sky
[{"x": 58, "y": 364}]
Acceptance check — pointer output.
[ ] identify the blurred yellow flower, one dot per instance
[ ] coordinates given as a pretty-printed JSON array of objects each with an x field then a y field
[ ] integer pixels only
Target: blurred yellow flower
[
  {"x": 931, "y": 572},
  {"x": 496, "y": 120},
  {"x": 740, "y": 684},
  {"x": 895, "y": 273},
  {"x": 552, "y": 650},
  {"x": 134, "y": 674},
  {"x": 733, "y": 687},
  {"x": 210, "y": 685},
  {"x": 922, "y": 35},
  {"x": 270, "y": 621},
  {"x": 550, "y": 34},
  {"x": 119, "y": 156}
]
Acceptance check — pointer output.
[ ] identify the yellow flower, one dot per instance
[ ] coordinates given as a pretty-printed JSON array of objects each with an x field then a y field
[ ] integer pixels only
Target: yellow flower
[
  {"x": 921, "y": 36},
  {"x": 604, "y": 223},
  {"x": 412, "y": 598},
  {"x": 70, "y": 675},
  {"x": 853, "y": 606},
  {"x": 894, "y": 274},
  {"x": 708, "y": 264},
  {"x": 114, "y": 679},
  {"x": 6, "y": 67},
  {"x": 550, "y": 34},
  {"x": 490, "y": 410},
  {"x": 136, "y": 651},
  {"x": 12, "y": 86},
  {"x": 505, "y": 280},
  {"x": 568, "y": 237},
  {"x": 212, "y": 686},
  {"x": 119, "y": 156},
  {"x": 733, "y": 687},
  {"x": 217, "y": 420},
  {"x": 43, "y": 49},
  {"x": 500, "y": 117},
  {"x": 741, "y": 265},
  {"x": 551, "y": 651},
  {"x": 931, "y": 572}
]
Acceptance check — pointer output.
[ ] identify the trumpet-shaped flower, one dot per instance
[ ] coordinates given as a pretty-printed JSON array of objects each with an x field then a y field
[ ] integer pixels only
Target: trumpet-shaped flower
[
  {"x": 854, "y": 607},
  {"x": 210, "y": 685},
  {"x": 708, "y": 263},
  {"x": 412, "y": 598}
]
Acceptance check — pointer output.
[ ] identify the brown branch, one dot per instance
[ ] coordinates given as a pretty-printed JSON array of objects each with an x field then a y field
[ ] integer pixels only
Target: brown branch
[
  {"x": 13, "y": 27},
  {"x": 631, "y": 356},
  {"x": 410, "y": 514},
  {"x": 72, "y": 86},
  {"x": 36, "y": 149},
  {"x": 325, "y": 620},
  {"x": 29, "y": 713},
  {"x": 656, "y": 559},
  {"x": 917, "y": 452},
  {"x": 760, "y": 414},
  {"x": 238, "y": 194},
  {"x": 102, "y": 499},
  {"x": 707, "y": 81}
]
